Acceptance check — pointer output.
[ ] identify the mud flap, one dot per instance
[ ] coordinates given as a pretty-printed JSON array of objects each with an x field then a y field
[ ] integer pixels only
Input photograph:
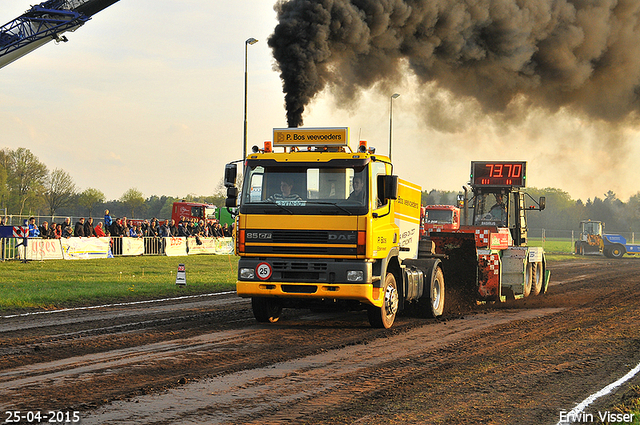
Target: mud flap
[
  {"x": 460, "y": 266},
  {"x": 547, "y": 276}
]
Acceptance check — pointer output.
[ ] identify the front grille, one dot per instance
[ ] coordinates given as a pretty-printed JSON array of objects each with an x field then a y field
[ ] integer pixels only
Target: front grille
[
  {"x": 302, "y": 242},
  {"x": 284, "y": 266},
  {"x": 300, "y": 236},
  {"x": 299, "y": 289},
  {"x": 314, "y": 250},
  {"x": 300, "y": 276},
  {"x": 280, "y": 236}
]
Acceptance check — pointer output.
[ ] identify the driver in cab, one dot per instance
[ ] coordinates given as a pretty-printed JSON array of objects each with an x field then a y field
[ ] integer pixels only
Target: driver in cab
[
  {"x": 499, "y": 210},
  {"x": 286, "y": 186}
]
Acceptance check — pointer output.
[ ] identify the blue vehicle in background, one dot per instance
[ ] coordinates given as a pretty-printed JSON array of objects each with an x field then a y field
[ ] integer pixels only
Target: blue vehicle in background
[{"x": 593, "y": 240}]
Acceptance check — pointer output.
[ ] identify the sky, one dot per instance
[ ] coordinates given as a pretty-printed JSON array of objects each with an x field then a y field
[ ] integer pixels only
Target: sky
[{"x": 150, "y": 95}]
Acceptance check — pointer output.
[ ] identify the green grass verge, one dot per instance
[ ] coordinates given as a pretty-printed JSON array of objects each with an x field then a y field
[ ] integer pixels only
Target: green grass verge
[
  {"x": 553, "y": 246},
  {"x": 60, "y": 283}
]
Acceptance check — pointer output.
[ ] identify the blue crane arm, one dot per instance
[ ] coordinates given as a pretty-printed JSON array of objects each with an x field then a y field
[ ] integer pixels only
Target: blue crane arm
[
  {"x": 43, "y": 23},
  {"x": 91, "y": 7}
]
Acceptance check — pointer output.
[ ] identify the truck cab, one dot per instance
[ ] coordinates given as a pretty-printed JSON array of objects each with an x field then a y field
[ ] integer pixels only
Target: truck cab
[
  {"x": 590, "y": 240},
  {"x": 439, "y": 218},
  {"x": 321, "y": 225},
  {"x": 192, "y": 210}
]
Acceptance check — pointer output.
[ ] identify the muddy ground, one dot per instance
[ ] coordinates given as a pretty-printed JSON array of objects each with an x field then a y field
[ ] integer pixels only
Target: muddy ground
[{"x": 206, "y": 360}]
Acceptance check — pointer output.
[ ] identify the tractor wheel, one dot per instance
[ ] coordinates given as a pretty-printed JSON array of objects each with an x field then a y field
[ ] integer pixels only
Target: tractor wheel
[
  {"x": 529, "y": 275},
  {"x": 537, "y": 278},
  {"x": 617, "y": 251},
  {"x": 266, "y": 310},
  {"x": 436, "y": 294},
  {"x": 383, "y": 317}
]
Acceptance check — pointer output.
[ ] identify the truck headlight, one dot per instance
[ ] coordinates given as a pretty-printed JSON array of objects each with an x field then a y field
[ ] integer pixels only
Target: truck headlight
[
  {"x": 246, "y": 273},
  {"x": 355, "y": 275}
]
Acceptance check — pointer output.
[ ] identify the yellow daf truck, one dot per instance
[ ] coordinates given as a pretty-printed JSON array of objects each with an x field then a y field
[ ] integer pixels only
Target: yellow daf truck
[{"x": 320, "y": 224}]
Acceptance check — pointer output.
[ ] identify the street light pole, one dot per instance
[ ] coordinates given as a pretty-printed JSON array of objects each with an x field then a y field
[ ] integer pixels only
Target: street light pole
[
  {"x": 244, "y": 139},
  {"x": 393, "y": 96}
]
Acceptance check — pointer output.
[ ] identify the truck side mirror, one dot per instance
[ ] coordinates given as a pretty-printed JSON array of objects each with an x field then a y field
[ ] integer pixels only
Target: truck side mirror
[
  {"x": 542, "y": 203},
  {"x": 232, "y": 197},
  {"x": 387, "y": 187},
  {"x": 230, "y": 175}
]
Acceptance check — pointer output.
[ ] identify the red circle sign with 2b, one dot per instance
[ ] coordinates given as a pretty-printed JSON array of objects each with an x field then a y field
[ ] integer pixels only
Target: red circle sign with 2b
[{"x": 263, "y": 271}]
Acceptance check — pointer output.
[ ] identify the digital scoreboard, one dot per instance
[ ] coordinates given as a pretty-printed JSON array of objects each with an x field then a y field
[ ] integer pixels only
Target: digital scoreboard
[{"x": 498, "y": 173}]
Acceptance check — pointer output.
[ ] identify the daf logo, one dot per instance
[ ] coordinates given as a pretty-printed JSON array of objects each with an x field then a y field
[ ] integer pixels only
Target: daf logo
[{"x": 341, "y": 237}]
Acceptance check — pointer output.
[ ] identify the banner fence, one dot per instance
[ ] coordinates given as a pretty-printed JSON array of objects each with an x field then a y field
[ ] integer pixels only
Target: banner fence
[{"x": 108, "y": 247}]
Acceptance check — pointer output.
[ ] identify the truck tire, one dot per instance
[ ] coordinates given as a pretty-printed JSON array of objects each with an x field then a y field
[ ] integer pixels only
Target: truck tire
[
  {"x": 617, "y": 251},
  {"x": 579, "y": 248},
  {"x": 266, "y": 310},
  {"x": 537, "y": 278},
  {"x": 383, "y": 317},
  {"x": 529, "y": 272},
  {"x": 436, "y": 294}
]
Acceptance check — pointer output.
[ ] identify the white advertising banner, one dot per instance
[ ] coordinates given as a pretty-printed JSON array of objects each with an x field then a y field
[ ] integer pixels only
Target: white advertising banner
[
  {"x": 44, "y": 249},
  {"x": 85, "y": 248},
  {"x": 224, "y": 246},
  {"x": 219, "y": 246},
  {"x": 132, "y": 246},
  {"x": 175, "y": 246},
  {"x": 201, "y": 245}
]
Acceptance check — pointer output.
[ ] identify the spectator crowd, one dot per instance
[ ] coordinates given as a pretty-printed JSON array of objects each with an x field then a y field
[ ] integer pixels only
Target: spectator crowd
[{"x": 121, "y": 227}]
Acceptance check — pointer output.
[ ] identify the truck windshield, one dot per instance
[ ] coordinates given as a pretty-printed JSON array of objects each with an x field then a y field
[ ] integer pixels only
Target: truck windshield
[
  {"x": 305, "y": 189},
  {"x": 439, "y": 216}
]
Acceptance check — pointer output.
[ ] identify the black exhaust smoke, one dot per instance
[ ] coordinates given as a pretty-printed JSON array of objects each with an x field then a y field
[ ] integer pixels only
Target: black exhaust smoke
[{"x": 578, "y": 54}]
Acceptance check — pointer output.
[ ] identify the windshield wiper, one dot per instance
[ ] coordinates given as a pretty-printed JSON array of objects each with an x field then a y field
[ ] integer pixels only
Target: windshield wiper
[
  {"x": 334, "y": 204},
  {"x": 278, "y": 205}
]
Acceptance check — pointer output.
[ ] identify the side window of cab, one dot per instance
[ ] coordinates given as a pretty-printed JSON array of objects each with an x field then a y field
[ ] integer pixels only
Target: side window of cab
[{"x": 377, "y": 168}]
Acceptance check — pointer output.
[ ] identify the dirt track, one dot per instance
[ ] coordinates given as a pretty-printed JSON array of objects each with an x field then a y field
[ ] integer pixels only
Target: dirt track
[{"x": 205, "y": 360}]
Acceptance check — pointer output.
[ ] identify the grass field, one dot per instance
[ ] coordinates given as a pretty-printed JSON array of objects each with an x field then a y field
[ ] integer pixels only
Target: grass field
[
  {"x": 61, "y": 283},
  {"x": 553, "y": 246}
]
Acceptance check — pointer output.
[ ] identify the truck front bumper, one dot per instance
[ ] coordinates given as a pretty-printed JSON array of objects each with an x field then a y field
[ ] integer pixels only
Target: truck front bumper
[{"x": 307, "y": 279}]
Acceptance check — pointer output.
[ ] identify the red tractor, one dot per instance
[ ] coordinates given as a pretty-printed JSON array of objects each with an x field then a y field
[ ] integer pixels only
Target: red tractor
[{"x": 489, "y": 255}]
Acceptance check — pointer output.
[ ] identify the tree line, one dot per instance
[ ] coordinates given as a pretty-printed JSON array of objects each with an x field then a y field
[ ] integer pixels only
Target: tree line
[
  {"x": 564, "y": 213},
  {"x": 28, "y": 187}
]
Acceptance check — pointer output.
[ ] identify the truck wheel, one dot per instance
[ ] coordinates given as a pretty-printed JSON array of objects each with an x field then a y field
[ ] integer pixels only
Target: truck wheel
[
  {"x": 383, "y": 317},
  {"x": 579, "y": 248},
  {"x": 436, "y": 294},
  {"x": 266, "y": 310},
  {"x": 529, "y": 275},
  {"x": 617, "y": 251},
  {"x": 537, "y": 278}
]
